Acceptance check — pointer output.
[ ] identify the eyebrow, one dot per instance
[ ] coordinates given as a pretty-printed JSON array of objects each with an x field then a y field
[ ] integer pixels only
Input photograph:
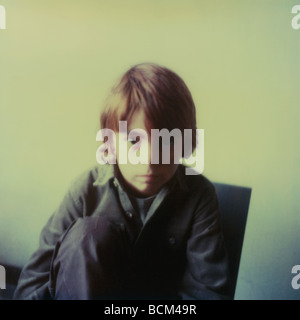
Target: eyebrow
[
  {"x": 136, "y": 129},
  {"x": 139, "y": 131}
]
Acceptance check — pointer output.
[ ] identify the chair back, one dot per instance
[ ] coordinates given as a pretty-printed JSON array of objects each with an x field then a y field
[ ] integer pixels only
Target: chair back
[{"x": 234, "y": 204}]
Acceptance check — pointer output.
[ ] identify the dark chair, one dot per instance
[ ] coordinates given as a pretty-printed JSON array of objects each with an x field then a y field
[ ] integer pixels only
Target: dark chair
[
  {"x": 234, "y": 204},
  {"x": 12, "y": 276}
]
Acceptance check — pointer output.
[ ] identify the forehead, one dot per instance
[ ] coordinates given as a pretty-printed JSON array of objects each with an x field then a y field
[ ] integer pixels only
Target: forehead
[{"x": 139, "y": 121}]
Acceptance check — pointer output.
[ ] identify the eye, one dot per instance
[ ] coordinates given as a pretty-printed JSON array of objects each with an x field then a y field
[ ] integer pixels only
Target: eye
[
  {"x": 134, "y": 140},
  {"x": 168, "y": 142}
]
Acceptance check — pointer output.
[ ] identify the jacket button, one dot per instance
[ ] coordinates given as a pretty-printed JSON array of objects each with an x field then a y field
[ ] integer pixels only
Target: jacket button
[
  {"x": 129, "y": 214},
  {"x": 172, "y": 240}
]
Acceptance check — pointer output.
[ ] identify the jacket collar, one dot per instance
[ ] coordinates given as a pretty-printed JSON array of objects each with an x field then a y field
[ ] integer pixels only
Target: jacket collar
[{"x": 105, "y": 174}]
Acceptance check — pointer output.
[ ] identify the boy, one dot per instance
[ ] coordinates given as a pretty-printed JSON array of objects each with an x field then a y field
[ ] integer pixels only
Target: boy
[{"x": 135, "y": 231}]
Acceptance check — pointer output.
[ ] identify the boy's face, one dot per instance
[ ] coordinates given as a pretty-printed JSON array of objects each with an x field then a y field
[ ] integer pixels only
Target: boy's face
[{"x": 145, "y": 180}]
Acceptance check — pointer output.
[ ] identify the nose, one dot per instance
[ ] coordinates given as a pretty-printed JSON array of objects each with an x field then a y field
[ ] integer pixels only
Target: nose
[
  {"x": 154, "y": 151},
  {"x": 154, "y": 154}
]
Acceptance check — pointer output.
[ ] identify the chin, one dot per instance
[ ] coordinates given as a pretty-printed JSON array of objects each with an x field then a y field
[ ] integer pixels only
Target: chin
[{"x": 146, "y": 191}]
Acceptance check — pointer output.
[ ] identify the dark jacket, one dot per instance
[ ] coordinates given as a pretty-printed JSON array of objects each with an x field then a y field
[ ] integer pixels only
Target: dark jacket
[{"x": 180, "y": 247}]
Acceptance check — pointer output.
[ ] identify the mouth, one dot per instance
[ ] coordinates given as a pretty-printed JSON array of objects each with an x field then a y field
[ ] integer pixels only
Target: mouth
[{"x": 147, "y": 178}]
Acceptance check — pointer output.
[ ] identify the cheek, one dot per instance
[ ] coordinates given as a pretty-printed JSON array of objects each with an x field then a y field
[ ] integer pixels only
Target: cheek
[
  {"x": 174, "y": 169},
  {"x": 176, "y": 154},
  {"x": 127, "y": 170},
  {"x": 169, "y": 171}
]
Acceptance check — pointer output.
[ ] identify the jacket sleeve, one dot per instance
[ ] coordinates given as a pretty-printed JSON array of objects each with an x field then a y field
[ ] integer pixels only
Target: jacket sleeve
[
  {"x": 206, "y": 273},
  {"x": 34, "y": 279}
]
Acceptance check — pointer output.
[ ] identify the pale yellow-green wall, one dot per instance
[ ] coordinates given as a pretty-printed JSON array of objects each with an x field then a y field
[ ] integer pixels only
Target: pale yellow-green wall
[{"x": 240, "y": 59}]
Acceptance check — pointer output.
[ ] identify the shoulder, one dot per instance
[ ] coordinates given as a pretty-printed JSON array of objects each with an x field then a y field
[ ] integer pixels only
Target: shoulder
[
  {"x": 195, "y": 183},
  {"x": 90, "y": 178},
  {"x": 201, "y": 195}
]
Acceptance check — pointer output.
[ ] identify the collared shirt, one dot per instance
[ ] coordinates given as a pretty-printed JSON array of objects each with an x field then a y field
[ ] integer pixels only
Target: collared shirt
[
  {"x": 182, "y": 227},
  {"x": 142, "y": 205},
  {"x": 128, "y": 201}
]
